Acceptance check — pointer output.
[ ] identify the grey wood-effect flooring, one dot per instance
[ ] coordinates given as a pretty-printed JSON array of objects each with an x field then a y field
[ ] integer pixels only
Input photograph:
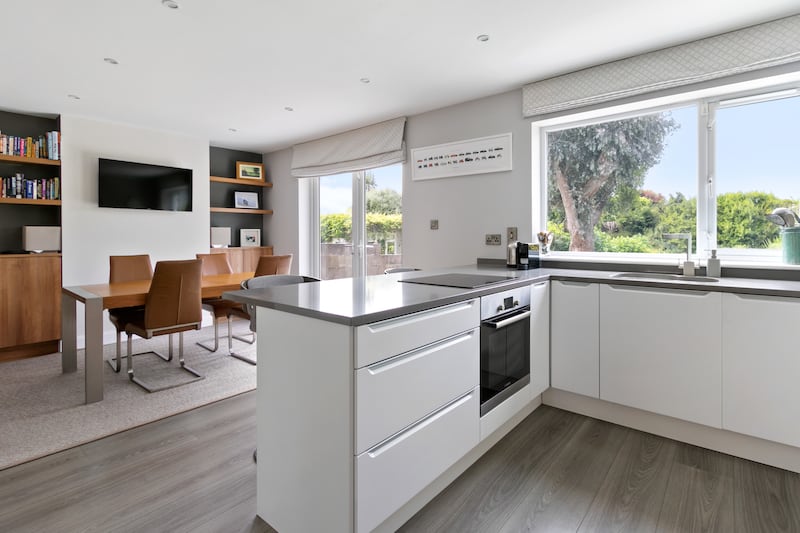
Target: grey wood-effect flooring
[{"x": 557, "y": 471}]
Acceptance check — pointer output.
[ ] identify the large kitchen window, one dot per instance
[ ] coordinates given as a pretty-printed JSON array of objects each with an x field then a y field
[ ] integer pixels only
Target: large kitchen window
[
  {"x": 360, "y": 222},
  {"x": 712, "y": 168}
]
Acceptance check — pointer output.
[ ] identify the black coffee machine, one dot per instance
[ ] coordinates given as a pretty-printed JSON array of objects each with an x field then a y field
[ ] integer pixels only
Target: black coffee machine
[{"x": 524, "y": 256}]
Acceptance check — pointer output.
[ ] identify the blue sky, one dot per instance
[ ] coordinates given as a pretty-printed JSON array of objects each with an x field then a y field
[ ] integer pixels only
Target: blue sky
[
  {"x": 336, "y": 191},
  {"x": 756, "y": 150}
]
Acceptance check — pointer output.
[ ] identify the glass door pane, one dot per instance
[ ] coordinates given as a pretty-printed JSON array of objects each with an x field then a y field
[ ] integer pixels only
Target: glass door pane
[
  {"x": 384, "y": 218},
  {"x": 335, "y": 226}
]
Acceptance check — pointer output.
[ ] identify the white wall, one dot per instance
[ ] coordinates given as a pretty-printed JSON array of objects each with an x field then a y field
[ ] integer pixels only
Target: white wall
[
  {"x": 91, "y": 234},
  {"x": 467, "y": 207}
]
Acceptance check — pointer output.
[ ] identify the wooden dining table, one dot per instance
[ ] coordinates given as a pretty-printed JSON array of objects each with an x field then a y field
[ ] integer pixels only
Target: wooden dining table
[{"x": 98, "y": 297}]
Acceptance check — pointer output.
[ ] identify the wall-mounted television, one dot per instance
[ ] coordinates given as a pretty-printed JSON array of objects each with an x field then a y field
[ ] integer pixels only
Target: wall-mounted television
[{"x": 130, "y": 185}]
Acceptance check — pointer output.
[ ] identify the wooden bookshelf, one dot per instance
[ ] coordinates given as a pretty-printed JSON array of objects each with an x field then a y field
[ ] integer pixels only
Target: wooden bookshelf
[
  {"x": 33, "y": 160},
  {"x": 241, "y": 211},
  {"x": 252, "y": 183},
  {"x": 29, "y": 201}
]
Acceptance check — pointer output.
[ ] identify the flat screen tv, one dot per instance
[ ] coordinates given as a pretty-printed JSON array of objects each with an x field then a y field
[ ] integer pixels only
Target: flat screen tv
[{"x": 131, "y": 185}]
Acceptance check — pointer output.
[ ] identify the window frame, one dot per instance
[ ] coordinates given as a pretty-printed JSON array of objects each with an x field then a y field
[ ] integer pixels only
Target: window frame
[{"x": 706, "y": 101}]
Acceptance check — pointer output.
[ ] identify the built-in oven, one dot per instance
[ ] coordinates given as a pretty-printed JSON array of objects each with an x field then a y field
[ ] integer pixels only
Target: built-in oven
[{"x": 505, "y": 339}]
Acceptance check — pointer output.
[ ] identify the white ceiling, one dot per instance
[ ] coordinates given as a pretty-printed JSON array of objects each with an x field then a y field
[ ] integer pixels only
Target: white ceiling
[{"x": 212, "y": 65}]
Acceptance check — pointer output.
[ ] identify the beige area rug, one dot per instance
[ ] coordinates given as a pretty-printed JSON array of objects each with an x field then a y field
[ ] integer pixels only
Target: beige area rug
[{"x": 42, "y": 410}]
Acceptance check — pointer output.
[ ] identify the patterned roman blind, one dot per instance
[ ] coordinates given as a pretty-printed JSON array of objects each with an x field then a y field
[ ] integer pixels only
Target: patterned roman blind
[
  {"x": 361, "y": 149},
  {"x": 752, "y": 48}
]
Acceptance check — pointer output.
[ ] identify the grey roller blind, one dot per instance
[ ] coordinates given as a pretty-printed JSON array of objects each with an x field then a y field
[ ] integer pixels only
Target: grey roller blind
[
  {"x": 752, "y": 48},
  {"x": 368, "y": 147}
]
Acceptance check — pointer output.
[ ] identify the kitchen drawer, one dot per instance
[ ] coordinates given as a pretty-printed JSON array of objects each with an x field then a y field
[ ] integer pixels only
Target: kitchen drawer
[
  {"x": 391, "y": 473},
  {"x": 398, "y": 335},
  {"x": 394, "y": 393}
]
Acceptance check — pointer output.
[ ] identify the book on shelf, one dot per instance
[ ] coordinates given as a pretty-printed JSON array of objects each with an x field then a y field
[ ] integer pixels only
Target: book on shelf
[
  {"x": 18, "y": 186},
  {"x": 47, "y": 146}
]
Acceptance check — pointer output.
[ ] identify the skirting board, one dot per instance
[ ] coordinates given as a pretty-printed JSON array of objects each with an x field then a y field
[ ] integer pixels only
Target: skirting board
[
  {"x": 736, "y": 444},
  {"x": 402, "y": 515}
]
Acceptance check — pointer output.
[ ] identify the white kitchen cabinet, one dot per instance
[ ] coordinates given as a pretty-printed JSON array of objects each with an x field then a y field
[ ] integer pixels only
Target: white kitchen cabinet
[
  {"x": 661, "y": 351},
  {"x": 394, "y": 393},
  {"x": 391, "y": 473},
  {"x": 540, "y": 337},
  {"x": 761, "y": 367},
  {"x": 387, "y": 338},
  {"x": 417, "y": 404},
  {"x": 574, "y": 337}
]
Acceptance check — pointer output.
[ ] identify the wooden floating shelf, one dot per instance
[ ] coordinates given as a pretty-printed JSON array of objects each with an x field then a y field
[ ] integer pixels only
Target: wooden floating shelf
[
  {"x": 29, "y": 201},
  {"x": 241, "y": 211},
  {"x": 252, "y": 183},
  {"x": 30, "y": 160}
]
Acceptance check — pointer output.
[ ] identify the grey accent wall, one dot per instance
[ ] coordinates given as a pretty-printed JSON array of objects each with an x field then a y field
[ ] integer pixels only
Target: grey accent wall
[
  {"x": 467, "y": 208},
  {"x": 223, "y": 164},
  {"x": 12, "y": 216},
  {"x": 283, "y": 197}
]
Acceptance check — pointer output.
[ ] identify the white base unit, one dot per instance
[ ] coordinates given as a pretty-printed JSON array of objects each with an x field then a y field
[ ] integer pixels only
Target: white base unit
[
  {"x": 575, "y": 337},
  {"x": 396, "y": 392},
  {"x": 380, "y": 340},
  {"x": 761, "y": 367},
  {"x": 661, "y": 351},
  {"x": 391, "y": 473},
  {"x": 540, "y": 338},
  {"x": 505, "y": 411}
]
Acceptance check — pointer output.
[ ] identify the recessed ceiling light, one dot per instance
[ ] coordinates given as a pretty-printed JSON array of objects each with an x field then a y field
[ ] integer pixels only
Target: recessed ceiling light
[
  {"x": 289, "y": 108},
  {"x": 111, "y": 61},
  {"x": 364, "y": 80},
  {"x": 483, "y": 38},
  {"x": 73, "y": 96},
  {"x": 172, "y": 4},
  {"x": 234, "y": 130}
]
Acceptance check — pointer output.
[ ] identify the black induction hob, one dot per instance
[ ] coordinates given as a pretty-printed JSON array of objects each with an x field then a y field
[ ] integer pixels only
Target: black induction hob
[{"x": 463, "y": 281}]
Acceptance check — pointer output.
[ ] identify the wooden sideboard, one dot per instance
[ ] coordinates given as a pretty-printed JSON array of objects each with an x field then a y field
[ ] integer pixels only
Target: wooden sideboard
[
  {"x": 244, "y": 259},
  {"x": 30, "y": 305}
]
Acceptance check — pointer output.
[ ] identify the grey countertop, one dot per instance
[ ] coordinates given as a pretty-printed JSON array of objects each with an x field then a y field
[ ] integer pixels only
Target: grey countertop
[{"x": 357, "y": 301}]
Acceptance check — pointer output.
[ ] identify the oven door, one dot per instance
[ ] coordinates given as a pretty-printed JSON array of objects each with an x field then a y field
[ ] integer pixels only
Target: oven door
[{"x": 505, "y": 356}]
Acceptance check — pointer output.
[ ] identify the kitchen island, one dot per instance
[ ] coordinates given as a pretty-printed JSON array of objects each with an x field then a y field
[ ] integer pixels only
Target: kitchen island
[{"x": 340, "y": 450}]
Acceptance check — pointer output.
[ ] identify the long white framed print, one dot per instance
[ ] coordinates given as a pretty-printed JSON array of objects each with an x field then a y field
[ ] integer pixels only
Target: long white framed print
[{"x": 462, "y": 158}]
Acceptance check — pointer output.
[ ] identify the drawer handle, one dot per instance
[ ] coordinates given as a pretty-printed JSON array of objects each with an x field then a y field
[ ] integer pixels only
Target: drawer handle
[
  {"x": 403, "y": 434},
  {"x": 394, "y": 362},
  {"x": 422, "y": 315}
]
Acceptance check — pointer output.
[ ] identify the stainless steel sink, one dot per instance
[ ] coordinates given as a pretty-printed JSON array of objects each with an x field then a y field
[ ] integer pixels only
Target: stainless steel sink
[{"x": 662, "y": 275}]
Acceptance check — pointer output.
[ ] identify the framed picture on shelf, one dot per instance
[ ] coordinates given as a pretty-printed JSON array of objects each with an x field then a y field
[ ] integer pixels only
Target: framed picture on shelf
[
  {"x": 245, "y": 200},
  {"x": 249, "y": 237},
  {"x": 249, "y": 171}
]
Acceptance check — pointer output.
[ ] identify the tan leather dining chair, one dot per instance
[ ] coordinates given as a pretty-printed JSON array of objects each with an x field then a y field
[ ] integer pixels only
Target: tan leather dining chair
[
  {"x": 214, "y": 264},
  {"x": 124, "y": 268},
  {"x": 271, "y": 265},
  {"x": 172, "y": 306}
]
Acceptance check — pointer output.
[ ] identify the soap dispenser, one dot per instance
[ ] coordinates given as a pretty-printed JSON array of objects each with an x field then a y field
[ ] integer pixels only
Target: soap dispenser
[{"x": 713, "y": 268}]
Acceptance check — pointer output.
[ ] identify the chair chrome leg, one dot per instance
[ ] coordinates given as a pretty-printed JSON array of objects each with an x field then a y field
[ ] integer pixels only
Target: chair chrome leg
[
  {"x": 244, "y": 357},
  {"x": 149, "y": 388},
  {"x": 216, "y": 337},
  {"x": 251, "y": 340},
  {"x": 116, "y": 364}
]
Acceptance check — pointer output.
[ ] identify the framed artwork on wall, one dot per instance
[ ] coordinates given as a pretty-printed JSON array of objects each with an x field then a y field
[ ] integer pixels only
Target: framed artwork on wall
[
  {"x": 249, "y": 171},
  {"x": 249, "y": 237},
  {"x": 463, "y": 158}
]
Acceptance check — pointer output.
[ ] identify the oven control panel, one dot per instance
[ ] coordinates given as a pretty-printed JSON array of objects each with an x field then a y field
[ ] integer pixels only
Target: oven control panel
[{"x": 504, "y": 301}]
